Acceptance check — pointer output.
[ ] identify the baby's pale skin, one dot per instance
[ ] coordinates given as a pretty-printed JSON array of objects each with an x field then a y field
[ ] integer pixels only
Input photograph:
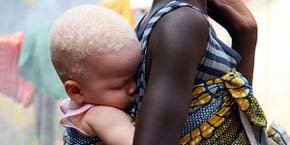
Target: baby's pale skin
[{"x": 108, "y": 83}]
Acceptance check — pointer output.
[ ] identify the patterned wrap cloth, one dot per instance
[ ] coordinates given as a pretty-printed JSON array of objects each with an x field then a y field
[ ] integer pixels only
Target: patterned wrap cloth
[{"x": 232, "y": 89}]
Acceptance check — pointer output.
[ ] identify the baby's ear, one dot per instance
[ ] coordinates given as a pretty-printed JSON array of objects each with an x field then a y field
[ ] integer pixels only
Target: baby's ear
[{"x": 72, "y": 88}]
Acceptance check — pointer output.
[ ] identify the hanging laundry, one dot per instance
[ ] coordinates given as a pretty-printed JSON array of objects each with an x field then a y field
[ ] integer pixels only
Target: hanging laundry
[
  {"x": 35, "y": 65},
  {"x": 11, "y": 84}
]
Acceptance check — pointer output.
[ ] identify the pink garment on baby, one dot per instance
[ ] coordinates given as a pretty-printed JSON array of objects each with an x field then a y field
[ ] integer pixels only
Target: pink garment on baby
[{"x": 70, "y": 109}]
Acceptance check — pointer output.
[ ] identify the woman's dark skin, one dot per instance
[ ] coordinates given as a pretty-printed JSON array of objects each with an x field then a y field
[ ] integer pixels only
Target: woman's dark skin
[
  {"x": 242, "y": 27},
  {"x": 176, "y": 47}
]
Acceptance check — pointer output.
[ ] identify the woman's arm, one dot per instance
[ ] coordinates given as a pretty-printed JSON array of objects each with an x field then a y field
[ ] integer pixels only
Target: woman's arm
[
  {"x": 111, "y": 125},
  {"x": 176, "y": 47},
  {"x": 237, "y": 19}
]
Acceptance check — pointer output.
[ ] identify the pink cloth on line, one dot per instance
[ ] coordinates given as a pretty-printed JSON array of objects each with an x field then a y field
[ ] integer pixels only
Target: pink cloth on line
[
  {"x": 70, "y": 109},
  {"x": 11, "y": 84}
]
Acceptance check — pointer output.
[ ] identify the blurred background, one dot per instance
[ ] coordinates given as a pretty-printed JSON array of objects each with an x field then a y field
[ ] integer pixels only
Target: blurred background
[{"x": 30, "y": 90}]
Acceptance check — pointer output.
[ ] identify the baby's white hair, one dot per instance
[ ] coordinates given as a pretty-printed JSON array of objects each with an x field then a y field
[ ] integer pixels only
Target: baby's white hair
[{"x": 88, "y": 30}]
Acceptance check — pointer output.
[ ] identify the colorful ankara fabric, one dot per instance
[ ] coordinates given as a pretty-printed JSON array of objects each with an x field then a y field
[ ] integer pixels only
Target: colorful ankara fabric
[{"x": 232, "y": 89}]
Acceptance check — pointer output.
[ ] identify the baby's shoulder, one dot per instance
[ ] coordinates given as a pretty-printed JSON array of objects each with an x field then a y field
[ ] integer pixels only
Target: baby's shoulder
[
  {"x": 104, "y": 117},
  {"x": 103, "y": 112},
  {"x": 95, "y": 117}
]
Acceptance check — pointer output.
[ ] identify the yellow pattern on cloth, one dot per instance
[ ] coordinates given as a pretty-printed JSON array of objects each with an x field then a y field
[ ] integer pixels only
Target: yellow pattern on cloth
[
  {"x": 235, "y": 91},
  {"x": 121, "y": 7}
]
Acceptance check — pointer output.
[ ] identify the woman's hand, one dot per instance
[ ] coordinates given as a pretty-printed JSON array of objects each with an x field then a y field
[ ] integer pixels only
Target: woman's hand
[{"x": 233, "y": 15}]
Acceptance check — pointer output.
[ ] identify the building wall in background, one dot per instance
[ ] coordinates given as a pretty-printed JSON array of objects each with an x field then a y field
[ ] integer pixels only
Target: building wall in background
[{"x": 272, "y": 64}]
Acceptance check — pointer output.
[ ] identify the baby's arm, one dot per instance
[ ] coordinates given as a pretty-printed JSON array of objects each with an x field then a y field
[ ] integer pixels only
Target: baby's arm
[{"x": 111, "y": 125}]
